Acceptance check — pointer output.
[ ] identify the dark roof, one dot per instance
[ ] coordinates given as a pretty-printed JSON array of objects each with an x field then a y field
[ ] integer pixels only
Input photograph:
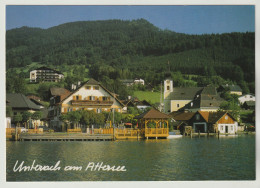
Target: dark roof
[
  {"x": 233, "y": 87},
  {"x": 207, "y": 98},
  {"x": 182, "y": 116},
  {"x": 127, "y": 81},
  {"x": 57, "y": 91},
  {"x": 152, "y": 114},
  {"x": 143, "y": 103},
  {"x": 185, "y": 93},
  {"x": 18, "y": 100},
  {"x": 91, "y": 81}
]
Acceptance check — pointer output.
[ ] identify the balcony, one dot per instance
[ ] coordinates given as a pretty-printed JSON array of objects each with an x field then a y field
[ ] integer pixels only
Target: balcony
[{"x": 91, "y": 103}]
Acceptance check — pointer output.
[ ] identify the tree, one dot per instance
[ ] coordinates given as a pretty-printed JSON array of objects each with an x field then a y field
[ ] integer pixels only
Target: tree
[
  {"x": 26, "y": 117},
  {"x": 74, "y": 117},
  {"x": 17, "y": 119},
  {"x": 232, "y": 107}
]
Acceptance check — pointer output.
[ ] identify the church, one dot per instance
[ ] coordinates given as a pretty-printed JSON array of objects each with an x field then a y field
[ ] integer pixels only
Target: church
[{"x": 190, "y": 98}]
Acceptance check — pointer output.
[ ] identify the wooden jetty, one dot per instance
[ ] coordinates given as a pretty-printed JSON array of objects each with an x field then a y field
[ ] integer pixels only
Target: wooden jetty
[{"x": 65, "y": 137}]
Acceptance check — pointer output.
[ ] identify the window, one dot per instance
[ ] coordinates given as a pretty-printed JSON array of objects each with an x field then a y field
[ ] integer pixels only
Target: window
[
  {"x": 222, "y": 127},
  {"x": 197, "y": 117},
  {"x": 178, "y": 105},
  {"x": 99, "y": 110},
  {"x": 191, "y": 104},
  {"x": 92, "y": 98},
  {"x": 96, "y": 87},
  {"x": 88, "y": 87},
  {"x": 168, "y": 88},
  {"x": 251, "y": 96},
  {"x": 226, "y": 117},
  {"x": 77, "y": 97},
  {"x": 231, "y": 128}
]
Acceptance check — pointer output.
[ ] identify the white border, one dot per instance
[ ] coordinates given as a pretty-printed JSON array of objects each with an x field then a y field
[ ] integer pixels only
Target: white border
[{"x": 198, "y": 184}]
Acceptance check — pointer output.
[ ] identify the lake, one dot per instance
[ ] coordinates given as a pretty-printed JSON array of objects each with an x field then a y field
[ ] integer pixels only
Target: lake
[{"x": 226, "y": 158}]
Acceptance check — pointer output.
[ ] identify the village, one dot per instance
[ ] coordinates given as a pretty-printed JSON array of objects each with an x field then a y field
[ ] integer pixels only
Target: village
[{"x": 89, "y": 111}]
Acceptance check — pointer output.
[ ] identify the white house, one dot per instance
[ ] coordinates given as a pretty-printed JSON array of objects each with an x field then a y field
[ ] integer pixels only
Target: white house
[
  {"x": 91, "y": 95},
  {"x": 247, "y": 97}
]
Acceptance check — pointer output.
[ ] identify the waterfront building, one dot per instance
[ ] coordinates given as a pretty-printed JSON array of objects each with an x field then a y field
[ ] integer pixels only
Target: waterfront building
[
  {"x": 214, "y": 122},
  {"x": 90, "y": 95},
  {"x": 20, "y": 103},
  {"x": 45, "y": 74},
  {"x": 190, "y": 98},
  {"x": 153, "y": 124}
]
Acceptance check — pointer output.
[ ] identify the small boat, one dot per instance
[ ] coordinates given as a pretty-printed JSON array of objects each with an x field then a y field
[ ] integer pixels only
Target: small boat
[{"x": 174, "y": 136}]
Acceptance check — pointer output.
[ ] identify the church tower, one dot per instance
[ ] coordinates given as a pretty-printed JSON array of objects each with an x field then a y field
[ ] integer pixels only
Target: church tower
[{"x": 168, "y": 88}]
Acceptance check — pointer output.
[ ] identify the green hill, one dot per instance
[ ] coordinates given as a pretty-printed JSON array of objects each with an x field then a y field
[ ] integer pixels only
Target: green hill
[{"x": 116, "y": 49}]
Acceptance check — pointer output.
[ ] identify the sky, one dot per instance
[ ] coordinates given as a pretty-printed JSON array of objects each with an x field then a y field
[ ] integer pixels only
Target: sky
[{"x": 191, "y": 19}]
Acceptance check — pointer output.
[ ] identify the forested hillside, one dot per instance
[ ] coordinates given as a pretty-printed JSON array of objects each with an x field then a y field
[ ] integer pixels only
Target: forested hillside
[{"x": 116, "y": 49}]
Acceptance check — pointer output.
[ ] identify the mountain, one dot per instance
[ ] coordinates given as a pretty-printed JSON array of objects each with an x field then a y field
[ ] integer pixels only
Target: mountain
[{"x": 137, "y": 45}]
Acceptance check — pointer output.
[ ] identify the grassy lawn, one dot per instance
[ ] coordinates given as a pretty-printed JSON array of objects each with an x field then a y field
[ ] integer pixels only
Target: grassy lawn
[{"x": 153, "y": 97}]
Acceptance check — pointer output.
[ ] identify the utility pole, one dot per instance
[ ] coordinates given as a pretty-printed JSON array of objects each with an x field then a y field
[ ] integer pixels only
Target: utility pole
[{"x": 161, "y": 99}]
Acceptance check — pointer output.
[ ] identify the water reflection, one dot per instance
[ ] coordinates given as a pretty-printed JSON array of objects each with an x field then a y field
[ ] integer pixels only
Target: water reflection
[{"x": 164, "y": 160}]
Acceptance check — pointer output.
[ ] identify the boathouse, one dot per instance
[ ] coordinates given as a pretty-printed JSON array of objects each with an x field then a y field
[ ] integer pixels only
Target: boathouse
[
  {"x": 153, "y": 124},
  {"x": 213, "y": 122}
]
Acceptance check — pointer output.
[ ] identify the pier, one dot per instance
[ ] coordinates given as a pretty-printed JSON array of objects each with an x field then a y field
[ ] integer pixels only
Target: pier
[{"x": 65, "y": 137}]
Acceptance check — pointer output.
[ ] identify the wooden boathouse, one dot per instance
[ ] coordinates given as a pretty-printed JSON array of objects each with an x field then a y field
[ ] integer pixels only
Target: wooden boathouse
[{"x": 153, "y": 124}]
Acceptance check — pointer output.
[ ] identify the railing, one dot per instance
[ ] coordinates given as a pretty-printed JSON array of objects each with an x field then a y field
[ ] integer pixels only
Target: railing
[
  {"x": 10, "y": 132},
  {"x": 103, "y": 131},
  {"x": 74, "y": 130},
  {"x": 35, "y": 131},
  {"x": 127, "y": 132},
  {"x": 88, "y": 102},
  {"x": 155, "y": 132}
]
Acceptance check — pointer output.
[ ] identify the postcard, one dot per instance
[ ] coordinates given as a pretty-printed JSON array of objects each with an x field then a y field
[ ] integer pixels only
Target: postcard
[{"x": 123, "y": 94}]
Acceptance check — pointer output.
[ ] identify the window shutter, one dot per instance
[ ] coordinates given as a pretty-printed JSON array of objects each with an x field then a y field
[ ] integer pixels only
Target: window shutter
[
  {"x": 74, "y": 97},
  {"x": 80, "y": 97}
]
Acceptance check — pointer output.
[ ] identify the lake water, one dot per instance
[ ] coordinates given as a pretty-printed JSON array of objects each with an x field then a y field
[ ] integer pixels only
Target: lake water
[{"x": 227, "y": 158}]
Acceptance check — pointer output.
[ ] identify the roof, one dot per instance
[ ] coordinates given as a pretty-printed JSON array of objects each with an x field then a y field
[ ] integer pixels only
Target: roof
[
  {"x": 185, "y": 93},
  {"x": 143, "y": 103},
  {"x": 233, "y": 87},
  {"x": 152, "y": 114},
  {"x": 127, "y": 81},
  {"x": 213, "y": 117},
  {"x": 57, "y": 91},
  {"x": 18, "y": 100},
  {"x": 206, "y": 98},
  {"x": 182, "y": 116},
  {"x": 92, "y": 82},
  {"x": 46, "y": 68}
]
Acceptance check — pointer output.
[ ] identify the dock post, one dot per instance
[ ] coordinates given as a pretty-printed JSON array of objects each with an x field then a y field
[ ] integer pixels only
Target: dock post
[
  {"x": 218, "y": 134},
  {"x": 199, "y": 133},
  {"x": 191, "y": 134},
  {"x": 16, "y": 134}
]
